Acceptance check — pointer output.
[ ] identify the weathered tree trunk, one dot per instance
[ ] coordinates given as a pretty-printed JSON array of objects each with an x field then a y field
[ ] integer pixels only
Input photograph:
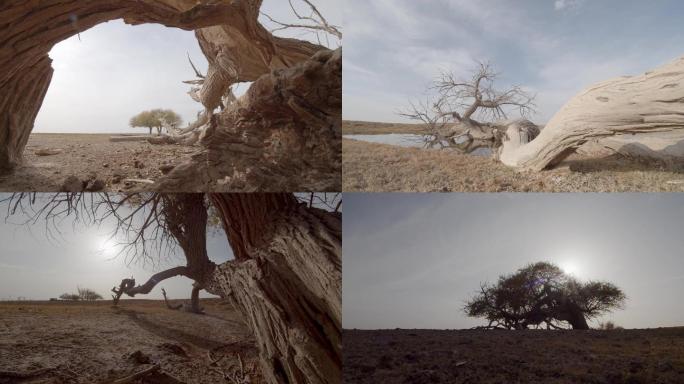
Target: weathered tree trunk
[
  {"x": 288, "y": 123},
  {"x": 286, "y": 280},
  {"x": 20, "y": 100},
  {"x": 652, "y": 102}
]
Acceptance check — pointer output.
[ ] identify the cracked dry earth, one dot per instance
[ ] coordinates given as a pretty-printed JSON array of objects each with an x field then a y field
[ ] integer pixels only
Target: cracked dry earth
[
  {"x": 90, "y": 157},
  {"x": 96, "y": 343},
  {"x": 633, "y": 356}
]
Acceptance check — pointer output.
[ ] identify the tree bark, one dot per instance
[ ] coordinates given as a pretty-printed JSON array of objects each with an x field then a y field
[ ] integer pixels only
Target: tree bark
[
  {"x": 284, "y": 134},
  {"x": 20, "y": 99},
  {"x": 286, "y": 280},
  {"x": 652, "y": 102}
]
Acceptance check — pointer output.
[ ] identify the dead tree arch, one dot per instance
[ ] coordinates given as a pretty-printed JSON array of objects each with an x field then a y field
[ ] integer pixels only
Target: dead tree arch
[{"x": 303, "y": 125}]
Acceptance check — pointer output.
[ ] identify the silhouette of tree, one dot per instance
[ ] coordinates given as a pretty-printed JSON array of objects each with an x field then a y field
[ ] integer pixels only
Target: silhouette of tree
[{"x": 540, "y": 294}]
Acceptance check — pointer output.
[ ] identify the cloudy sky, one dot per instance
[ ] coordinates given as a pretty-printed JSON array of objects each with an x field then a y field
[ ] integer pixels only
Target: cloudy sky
[
  {"x": 36, "y": 267},
  {"x": 115, "y": 71},
  {"x": 412, "y": 260},
  {"x": 553, "y": 48}
]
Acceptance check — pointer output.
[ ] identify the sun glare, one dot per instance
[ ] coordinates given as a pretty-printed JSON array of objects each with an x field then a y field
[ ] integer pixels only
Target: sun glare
[
  {"x": 570, "y": 267},
  {"x": 108, "y": 247}
]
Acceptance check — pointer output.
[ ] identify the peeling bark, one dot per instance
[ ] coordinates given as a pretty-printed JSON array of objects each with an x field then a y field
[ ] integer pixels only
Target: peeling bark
[
  {"x": 286, "y": 280},
  {"x": 648, "y": 103},
  {"x": 288, "y": 123}
]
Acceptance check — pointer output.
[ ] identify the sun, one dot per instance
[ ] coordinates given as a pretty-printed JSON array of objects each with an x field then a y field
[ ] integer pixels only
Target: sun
[
  {"x": 108, "y": 247},
  {"x": 570, "y": 267}
]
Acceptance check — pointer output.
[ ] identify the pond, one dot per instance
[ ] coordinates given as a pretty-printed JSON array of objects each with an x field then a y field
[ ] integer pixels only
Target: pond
[{"x": 406, "y": 140}]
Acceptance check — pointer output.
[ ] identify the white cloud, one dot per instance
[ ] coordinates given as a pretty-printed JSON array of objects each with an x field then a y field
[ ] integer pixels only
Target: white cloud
[{"x": 560, "y": 5}]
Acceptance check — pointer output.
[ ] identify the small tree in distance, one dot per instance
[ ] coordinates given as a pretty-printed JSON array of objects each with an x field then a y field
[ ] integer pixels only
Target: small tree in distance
[
  {"x": 83, "y": 294},
  {"x": 156, "y": 118},
  {"x": 86, "y": 294},
  {"x": 70, "y": 297},
  {"x": 541, "y": 294}
]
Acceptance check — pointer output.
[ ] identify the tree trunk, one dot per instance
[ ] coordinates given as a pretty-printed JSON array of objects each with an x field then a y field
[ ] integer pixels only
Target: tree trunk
[
  {"x": 652, "y": 102},
  {"x": 284, "y": 134},
  {"x": 286, "y": 280},
  {"x": 20, "y": 99}
]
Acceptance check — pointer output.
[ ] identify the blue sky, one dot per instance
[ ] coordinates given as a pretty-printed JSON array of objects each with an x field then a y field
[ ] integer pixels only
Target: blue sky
[
  {"x": 411, "y": 260},
  {"x": 554, "y": 48},
  {"x": 116, "y": 70}
]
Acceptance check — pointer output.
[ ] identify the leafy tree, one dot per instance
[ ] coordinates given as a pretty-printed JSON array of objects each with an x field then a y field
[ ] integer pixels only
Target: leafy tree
[
  {"x": 541, "y": 294},
  {"x": 156, "y": 118}
]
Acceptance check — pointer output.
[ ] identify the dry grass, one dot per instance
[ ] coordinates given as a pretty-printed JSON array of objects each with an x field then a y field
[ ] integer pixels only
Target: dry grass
[
  {"x": 94, "y": 342},
  {"x": 632, "y": 356},
  {"x": 370, "y": 167}
]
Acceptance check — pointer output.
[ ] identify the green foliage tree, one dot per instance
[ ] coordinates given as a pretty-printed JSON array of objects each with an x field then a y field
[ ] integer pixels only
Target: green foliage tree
[
  {"x": 156, "y": 118},
  {"x": 542, "y": 294}
]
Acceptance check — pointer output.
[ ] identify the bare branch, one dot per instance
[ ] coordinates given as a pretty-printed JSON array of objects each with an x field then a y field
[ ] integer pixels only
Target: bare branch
[{"x": 316, "y": 21}]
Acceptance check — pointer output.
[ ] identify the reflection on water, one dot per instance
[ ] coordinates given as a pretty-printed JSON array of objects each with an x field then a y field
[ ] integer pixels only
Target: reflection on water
[{"x": 406, "y": 140}]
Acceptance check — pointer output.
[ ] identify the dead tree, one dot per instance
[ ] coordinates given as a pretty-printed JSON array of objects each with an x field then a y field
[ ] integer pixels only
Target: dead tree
[
  {"x": 643, "y": 108},
  {"x": 285, "y": 278},
  {"x": 470, "y": 114}
]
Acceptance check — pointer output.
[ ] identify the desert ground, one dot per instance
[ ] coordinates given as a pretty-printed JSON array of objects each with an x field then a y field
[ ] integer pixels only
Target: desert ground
[
  {"x": 63, "y": 342},
  {"x": 372, "y": 167},
  {"x": 477, "y": 356},
  {"x": 93, "y": 160}
]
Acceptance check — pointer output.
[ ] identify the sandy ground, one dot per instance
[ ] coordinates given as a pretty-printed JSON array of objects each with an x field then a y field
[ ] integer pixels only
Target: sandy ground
[
  {"x": 370, "y": 167},
  {"x": 91, "y": 157},
  {"x": 97, "y": 343},
  {"x": 469, "y": 356}
]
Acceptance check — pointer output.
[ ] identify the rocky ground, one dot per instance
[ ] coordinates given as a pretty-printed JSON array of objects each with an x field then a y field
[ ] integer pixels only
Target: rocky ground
[
  {"x": 67, "y": 162},
  {"x": 61, "y": 342},
  {"x": 477, "y": 356}
]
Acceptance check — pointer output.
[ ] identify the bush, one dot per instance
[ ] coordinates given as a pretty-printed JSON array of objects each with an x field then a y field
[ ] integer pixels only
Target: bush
[
  {"x": 70, "y": 297},
  {"x": 83, "y": 294}
]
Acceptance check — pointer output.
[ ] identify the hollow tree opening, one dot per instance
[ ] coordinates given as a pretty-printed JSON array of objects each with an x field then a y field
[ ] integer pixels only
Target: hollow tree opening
[{"x": 289, "y": 123}]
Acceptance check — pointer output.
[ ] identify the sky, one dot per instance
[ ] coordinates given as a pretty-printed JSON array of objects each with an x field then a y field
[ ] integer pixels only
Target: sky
[
  {"x": 115, "y": 71},
  {"x": 36, "y": 267},
  {"x": 413, "y": 260},
  {"x": 552, "y": 48}
]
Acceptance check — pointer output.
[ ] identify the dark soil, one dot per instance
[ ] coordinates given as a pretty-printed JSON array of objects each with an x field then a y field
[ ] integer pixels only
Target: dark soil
[{"x": 476, "y": 356}]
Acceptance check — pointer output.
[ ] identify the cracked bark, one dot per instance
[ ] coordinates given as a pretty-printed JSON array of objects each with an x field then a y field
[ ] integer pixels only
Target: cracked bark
[
  {"x": 286, "y": 280},
  {"x": 642, "y": 104}
]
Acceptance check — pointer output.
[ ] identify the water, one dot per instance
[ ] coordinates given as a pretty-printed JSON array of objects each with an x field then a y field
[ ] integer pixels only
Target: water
[{"x": 406, "y": 140}]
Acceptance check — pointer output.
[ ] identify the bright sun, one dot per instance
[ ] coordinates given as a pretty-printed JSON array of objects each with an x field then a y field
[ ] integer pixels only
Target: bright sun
[
  {"x": 108, "y": 247},
  {"x": 570, "y": 267}
]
